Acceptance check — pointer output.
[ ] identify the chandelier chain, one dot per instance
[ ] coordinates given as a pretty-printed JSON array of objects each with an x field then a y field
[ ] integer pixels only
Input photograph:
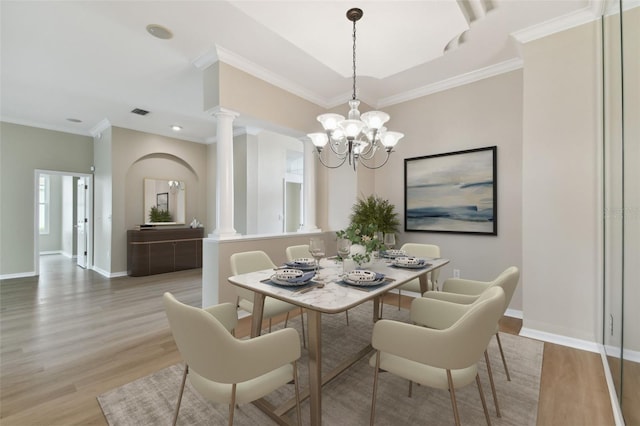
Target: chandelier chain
[{"x": 354, "y": 59}]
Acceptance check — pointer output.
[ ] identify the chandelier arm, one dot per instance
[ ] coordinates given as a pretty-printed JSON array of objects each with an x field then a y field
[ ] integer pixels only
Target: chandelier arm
[
  {"x": 328, "y": 165},
  {"x": 337, "y": 153},
  {"x": 362, "y": 161}
]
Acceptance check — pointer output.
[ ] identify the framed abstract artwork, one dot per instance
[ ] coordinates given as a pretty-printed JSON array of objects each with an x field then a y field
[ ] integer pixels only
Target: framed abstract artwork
[{"x": 452, "y": 192}]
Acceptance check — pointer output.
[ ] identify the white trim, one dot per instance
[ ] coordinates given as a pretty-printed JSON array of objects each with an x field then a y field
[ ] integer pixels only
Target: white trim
[
  {"x": 571, "y": 342},
  {"x": 18, "y": 275},
  {"x": 40, "y": 125},
  {"x": 50, "y": 252},
  {"x": 627, "y": 354},
  {"x": 108, "y": 274},
  {"x": 513, "y": 313},
  {"x": 262, "y": 73},
  {"x": 613, "y": 395},
  {"x": 103, "y": 125},
  {"x": 450, "y": 83},
  {"x": 561, "y": 23}
]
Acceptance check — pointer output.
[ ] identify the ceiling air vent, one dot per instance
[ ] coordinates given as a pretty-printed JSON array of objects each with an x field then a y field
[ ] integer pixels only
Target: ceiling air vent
[{"x": 140, "y": 111}]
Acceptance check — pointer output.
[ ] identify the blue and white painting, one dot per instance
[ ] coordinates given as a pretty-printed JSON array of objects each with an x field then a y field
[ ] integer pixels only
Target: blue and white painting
[{"x": 453, "y": 192}]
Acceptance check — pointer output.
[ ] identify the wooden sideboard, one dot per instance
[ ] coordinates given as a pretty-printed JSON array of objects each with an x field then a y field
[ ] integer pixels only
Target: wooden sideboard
[{"x": 157, "y": 250}]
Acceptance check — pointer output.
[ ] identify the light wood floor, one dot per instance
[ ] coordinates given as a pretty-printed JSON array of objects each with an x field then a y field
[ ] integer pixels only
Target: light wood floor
[{"x": 70, "y": 335}]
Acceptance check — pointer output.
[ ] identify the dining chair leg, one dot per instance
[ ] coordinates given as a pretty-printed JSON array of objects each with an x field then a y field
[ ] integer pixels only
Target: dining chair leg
[
  {"x": 484, "y": 403},
  {"x": 297, "y": 388},
  {"x": 347, "y": 314},
  {"x": 399, "y": 297},
  {"x": 286, "y": 321},
  {"x": 504, "y": 361},
  {"x": 270, "y": 325},
  {"x": 452, "y": 394},
  {"x": 375, "y": 388},
  {"x": 232, "y": 404},
  {"x": 493, "y": 386},
  {"x": 184, "y": 380},
  {"x": 304, "y": 339},
  {"x": 410, "y": 388}
]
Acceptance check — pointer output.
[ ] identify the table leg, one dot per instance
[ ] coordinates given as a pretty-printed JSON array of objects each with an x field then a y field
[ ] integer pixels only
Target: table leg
[
  {"x": 256, "y": 315},
  {"x": 424, "y": 283},
  {"x": 315, "y": 365}
]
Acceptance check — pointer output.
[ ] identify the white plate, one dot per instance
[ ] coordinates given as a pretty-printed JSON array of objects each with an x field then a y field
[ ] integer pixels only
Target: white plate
[
  {"x": 289, "y": 284},
  {"x": 363, "y": 283},
  {"x": 408, "y": 266},
  {"x": 391, "y": 254},
  {"x": 302, "y": 267}
]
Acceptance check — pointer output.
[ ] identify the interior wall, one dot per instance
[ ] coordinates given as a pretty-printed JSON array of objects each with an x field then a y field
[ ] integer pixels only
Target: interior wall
[
  {"x": 480, "y": 114},
  {"x": 24, "y": 149},
  {"x": 561, "y": 188}
]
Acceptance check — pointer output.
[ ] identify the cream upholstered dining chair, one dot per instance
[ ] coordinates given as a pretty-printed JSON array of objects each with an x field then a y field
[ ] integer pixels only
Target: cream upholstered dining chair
[
  {"x": 419, "y": 250},
  {"x": 459, "y": 290},
  {"x": 227, "y": 370},
  {"x": 251, "y": 261},
  {"x": 442, "y": 359},
  {"x": 302, "y": 250}
]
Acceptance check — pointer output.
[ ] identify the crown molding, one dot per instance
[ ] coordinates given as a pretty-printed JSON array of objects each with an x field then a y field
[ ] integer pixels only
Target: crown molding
[
  {"x": 38, "y": 125},
  {"x": 450, "y": 83},
  {"x": 103, "y": 125},
  {"x": 256, "y": 70},
  {"x": 562, "y": 23}
]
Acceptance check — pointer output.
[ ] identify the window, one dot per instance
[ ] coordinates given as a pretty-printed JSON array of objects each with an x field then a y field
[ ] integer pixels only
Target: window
[{"x": 44, "y": 189}]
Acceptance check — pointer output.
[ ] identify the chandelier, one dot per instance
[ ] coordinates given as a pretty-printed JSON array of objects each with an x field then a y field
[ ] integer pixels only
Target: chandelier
[{"x": 358, "y": 138}]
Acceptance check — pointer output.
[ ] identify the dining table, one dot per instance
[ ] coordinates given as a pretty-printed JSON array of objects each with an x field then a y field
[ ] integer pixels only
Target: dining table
[{"x": 327, "y": 293}]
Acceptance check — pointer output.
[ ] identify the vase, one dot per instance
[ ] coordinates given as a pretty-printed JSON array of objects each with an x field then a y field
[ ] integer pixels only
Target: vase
[{"x": 361, "y": 250}]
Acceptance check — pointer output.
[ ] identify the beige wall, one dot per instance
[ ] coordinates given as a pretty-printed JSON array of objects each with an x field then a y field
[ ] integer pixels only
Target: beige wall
[
  {"x": 22, "y": 150},
  {"x": 561, "y": 187},
  {"x": 484, "y": 113}
]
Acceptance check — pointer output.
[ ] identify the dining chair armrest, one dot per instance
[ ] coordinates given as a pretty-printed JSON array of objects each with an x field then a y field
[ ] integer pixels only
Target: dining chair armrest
[
  {"x": 416, "y": 343},
  {"x": 460, "y": 285},
  {"x": 438, "y": 314},
  {"x": 226, "y": 313},
  {"x": 464, "y": 299},
  {"x": 265, "y": 353}
]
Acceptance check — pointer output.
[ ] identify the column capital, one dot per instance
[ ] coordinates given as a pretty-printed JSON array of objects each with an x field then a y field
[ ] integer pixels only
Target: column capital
[{"x": 223, "y": 112}]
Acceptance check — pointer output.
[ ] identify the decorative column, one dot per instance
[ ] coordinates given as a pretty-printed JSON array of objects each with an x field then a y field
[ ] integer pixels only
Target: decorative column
[
  {"x": 224, "y": 173},
  {"x": 309, "y": 188}
]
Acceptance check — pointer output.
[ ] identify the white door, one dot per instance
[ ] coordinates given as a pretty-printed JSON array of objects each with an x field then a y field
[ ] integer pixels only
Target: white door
[{"x": 81, "y": 210}]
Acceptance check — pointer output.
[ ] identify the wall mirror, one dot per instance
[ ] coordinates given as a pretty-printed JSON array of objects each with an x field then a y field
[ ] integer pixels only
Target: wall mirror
[{"x": 164, "y": 202}]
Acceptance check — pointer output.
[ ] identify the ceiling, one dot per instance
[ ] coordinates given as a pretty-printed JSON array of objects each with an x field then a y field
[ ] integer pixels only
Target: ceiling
[{"x": 94, "y": 61}]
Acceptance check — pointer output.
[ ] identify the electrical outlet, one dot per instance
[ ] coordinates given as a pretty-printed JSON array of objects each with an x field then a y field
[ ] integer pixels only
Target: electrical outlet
[{"x": 456, "y": 273}]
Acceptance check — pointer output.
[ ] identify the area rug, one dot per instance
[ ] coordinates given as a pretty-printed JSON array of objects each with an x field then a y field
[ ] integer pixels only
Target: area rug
[{"x": 347, "y": 399}]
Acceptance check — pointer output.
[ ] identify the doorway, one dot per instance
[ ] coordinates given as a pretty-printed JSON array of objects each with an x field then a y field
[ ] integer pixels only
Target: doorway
[{"x": 63, "y": 219}]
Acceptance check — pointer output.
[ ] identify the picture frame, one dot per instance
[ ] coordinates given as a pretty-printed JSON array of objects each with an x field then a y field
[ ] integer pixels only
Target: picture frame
[
  {"x": 454, "y": 192},
  {"x": 162, "y": 201}
]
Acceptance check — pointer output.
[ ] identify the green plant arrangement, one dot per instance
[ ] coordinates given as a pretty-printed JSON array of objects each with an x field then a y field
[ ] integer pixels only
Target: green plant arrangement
[
  {"x": 157, "y": 215},
  {"x": 375, "y": 211},
  {"x": 370, "y": 218}
]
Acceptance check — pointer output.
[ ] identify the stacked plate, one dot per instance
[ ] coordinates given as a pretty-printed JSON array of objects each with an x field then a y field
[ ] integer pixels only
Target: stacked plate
[
  {"x": 409, "y": 262},
  {"x": 302, "y": 263},
  {"x": 363, "y": 278},
  {"x": 291, "y": 277},
  {"x": 392, "y": 254}
]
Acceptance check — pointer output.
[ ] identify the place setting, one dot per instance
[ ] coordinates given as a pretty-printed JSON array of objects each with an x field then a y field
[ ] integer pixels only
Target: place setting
[
  {"x": 297, "y": 280},
  {"x": 409, "y": 262},
  {"x": 362, "y": 279}
]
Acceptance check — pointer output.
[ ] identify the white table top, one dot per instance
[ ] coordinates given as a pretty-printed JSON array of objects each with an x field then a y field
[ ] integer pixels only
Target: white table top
[{"x": 335, "y": 296}]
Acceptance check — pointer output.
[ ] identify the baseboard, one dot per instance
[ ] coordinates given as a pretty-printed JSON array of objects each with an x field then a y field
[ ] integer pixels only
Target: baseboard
[
  {"x": 627, "y": 354},
  {"x": 615, "y": 404},
  {"x": 50, "y": 252},
  {"x": 571, "y": 342},
  {"x": 18, "y": 275},
  {"x": 513, "y": 313},
  {"x": 109, "y": 274}
]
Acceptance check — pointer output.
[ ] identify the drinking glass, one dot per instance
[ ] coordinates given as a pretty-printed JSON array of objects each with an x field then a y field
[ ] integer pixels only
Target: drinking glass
[
  {"x": 344, "y": 249},
  {"x": 316, "y": 248},
  {"x": 390, "y": 240}
]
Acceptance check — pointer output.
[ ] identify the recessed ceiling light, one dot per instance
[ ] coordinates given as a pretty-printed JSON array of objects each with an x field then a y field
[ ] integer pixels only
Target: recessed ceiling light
[
  {"x": 176, "y": 128},
  {"x": 74, "y": 120},
  {"x": 159, "y": 31}
]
